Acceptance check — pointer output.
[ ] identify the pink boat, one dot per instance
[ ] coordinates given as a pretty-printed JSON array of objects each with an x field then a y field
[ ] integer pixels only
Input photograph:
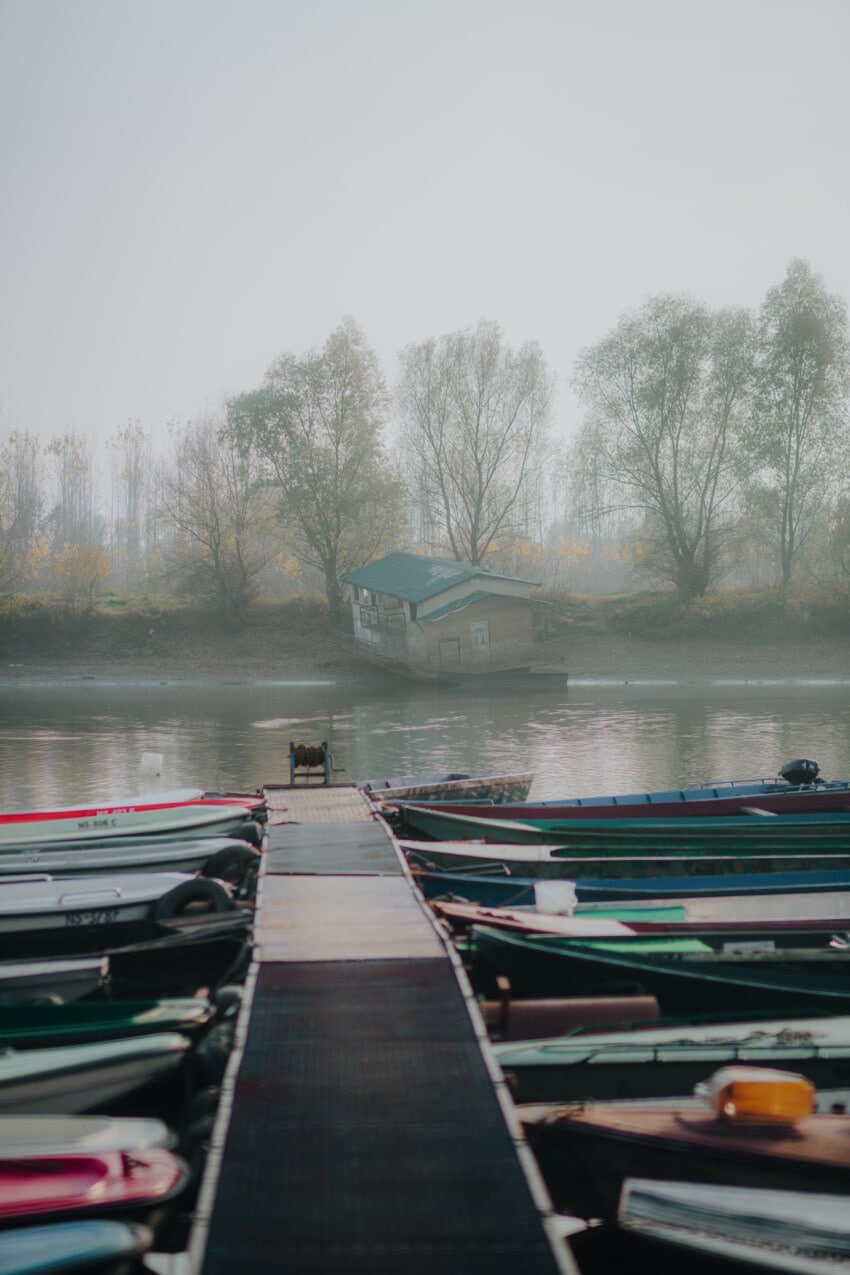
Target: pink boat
[{"x": 60, "y": 1185}]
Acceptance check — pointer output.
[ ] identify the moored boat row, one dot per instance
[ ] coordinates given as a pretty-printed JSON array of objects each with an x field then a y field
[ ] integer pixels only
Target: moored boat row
[{"x": 728, "y": 908}]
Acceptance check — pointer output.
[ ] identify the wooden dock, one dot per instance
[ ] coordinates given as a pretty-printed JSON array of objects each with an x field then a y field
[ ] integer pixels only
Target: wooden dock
[{"x": 363, "y": 1125}]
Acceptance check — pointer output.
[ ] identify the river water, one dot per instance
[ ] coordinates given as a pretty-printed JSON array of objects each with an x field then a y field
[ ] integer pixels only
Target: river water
[{"x": 66, "y": 742}]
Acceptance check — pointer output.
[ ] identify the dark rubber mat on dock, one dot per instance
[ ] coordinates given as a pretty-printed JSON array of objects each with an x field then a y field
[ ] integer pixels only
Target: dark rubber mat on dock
[
  {"x": 366, "y": 1136},
  {"x": 331, "y": 849}
]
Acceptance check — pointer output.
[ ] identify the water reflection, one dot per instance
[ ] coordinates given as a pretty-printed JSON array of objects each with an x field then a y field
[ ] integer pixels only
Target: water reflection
[{"x": 64, "y": 743}]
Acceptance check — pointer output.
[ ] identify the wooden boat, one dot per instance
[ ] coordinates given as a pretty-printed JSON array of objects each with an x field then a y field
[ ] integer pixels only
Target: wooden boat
[
  {"x": 493, "y": 789},
  {"x": 25, "y": 1135},
  {"x": 51, "y": 917},
  {"x": 184, "y": 812},
  {"x": 609, "y": 865},
  {"x": 515, "y": 891},
  {"x": 103, "y": 1245},
  {"x": 656, "y": 1060},
  {"x": 80, "y": 1078},
  {"x": 780, "y": 920},
  {"x": 215, "y": 856},
  {"x": 685, "y": 975},
  {"x": 59, "y": 979},
  {"x": 63, "y": 1186},
  {"x": 751, "y": 1228},
  {"x": 46, "y": 1026},
  {"x": 773, "y": 1143},
  {"x": 748, "y": 834},
  {"x": 730, "y": 798}
]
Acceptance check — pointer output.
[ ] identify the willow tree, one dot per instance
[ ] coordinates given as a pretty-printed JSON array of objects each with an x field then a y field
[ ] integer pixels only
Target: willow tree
[
  {"x": 664, "y": 393},
  {"x": 315, "y": 424},
  {"x": 473, "y": 414},
  {"x": 798, "y": 433}
]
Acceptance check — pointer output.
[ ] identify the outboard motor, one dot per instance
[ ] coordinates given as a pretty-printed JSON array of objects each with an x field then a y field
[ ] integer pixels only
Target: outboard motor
[{"x": 800, "y": 771}]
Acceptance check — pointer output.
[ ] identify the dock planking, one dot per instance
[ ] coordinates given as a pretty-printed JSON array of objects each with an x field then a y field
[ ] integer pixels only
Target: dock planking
[{"x": 363, "y": 1126}]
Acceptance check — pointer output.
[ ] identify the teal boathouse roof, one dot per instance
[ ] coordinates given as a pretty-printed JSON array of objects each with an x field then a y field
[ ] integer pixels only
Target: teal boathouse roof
[{"x": 415, "y": 578}]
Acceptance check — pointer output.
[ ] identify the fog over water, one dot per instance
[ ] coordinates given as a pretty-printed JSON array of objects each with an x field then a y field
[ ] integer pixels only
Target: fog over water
[{"x": 60, "y": 744}]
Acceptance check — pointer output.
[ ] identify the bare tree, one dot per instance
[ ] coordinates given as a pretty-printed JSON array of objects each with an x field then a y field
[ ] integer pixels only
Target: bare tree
[
  {"x": 133, "y": 494},
  {"x": 225, "y": 527},
  {"x": 473, "y": 414},
  {"x": 73, "y": 518},
  {"x": 664, "y": 392},
  {"x": 798, "y": 433},
  {"x": 21, "y": 505},
  {"x": 316, "y": 423}
]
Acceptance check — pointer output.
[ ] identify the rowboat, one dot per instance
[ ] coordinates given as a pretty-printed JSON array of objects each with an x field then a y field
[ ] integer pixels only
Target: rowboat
[
  {"x": 505, "y": 890},
  {"x": 215, "y": 856},
  {"x": 586, "y": 1153},
  {"x": 730, "y": 798},
  {"x": 91, "y": 1244},
  {"x": 50, "y": 917},
  {"x": 781, "y": 920},
  {"x": 509, "y": 860},
  {"x": 662, "y": 1060},
  {"x": 25, "y": 1135},
  {"x": 685, "y": 975},
  {"x": 46, "y": 1026},
  {"x": 747, "y": 1228},
  {"x": 79, "y": 1078},
  {"x": 63, "y": 1186},
  {"x": 183, "y": 812},
  {"x": 750, "y": 834},
  {"x": 493, "y": 789}
]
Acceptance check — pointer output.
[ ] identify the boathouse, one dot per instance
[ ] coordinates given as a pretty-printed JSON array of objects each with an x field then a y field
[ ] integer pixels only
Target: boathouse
[{"x": 435, "y": 615}]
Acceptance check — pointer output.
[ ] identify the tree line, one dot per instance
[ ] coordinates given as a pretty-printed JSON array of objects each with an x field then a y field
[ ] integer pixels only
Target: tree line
[{"x": 711, "y": 442}]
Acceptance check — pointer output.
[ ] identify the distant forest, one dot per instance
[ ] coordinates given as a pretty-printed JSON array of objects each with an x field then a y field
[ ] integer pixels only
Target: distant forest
[{"x": 711, "y": 453}]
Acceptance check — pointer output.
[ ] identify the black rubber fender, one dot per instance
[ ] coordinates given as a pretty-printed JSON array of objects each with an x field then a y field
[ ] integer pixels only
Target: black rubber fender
[
  {"x": 201, "y": 894},
  {"x": 250, "y": 831},
  {"x": 232, "y": 864}
]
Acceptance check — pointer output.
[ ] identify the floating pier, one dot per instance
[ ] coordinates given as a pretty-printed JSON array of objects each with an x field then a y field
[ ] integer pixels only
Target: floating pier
[{"x": 363, "y": 1125}]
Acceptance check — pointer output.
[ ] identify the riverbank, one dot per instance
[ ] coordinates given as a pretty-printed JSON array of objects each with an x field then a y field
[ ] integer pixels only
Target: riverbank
[{"x": 583, "y": 656}]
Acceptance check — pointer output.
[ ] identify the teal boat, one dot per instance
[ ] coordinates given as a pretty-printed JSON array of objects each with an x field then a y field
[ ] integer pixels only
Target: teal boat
[
  {"x": 45, "y": 1026},
  {"x": 751, "y": 833}
]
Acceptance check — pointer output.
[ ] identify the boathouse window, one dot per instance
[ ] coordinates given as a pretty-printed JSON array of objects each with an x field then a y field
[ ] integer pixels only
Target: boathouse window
[
  {"x": 368, "y": 617},
  {"x": 449, "y": 650},
  {"x": 395, "y": 620}
]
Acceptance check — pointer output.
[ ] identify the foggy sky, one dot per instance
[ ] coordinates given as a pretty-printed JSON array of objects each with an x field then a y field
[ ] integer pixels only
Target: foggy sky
[{"x": 190, "y": 187}]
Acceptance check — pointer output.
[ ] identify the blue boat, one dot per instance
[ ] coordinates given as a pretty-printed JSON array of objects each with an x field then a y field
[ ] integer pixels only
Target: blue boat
[
  {"x": 509, "y": 891},
  {"x": 98, "y": 1244}
]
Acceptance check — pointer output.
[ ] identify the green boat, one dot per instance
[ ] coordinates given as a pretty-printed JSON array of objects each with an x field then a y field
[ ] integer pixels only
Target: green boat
[
  {"x": 766, "y": 833},
  {"x": 686, "y": 976},
  {"x": 47, "y": 1026}
]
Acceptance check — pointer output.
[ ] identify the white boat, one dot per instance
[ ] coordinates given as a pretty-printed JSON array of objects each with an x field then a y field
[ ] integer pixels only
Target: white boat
[
  {"x": 747, "y": 1227},
  {"x": 183, "y": 812},
  {"x": 31, "y": 1135},
  {"x": 79, "y": 1078},
  {"x": 43, "y": 914},
  {"x": 41, "y": 979},
  {"x": 128, "y": 854}
]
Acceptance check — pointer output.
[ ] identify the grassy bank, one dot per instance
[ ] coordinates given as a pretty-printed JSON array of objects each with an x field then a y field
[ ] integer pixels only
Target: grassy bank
[{"x": 752, "y": 617}]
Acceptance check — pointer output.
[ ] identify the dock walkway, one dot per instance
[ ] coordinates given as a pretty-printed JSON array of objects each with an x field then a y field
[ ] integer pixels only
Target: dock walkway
[{"x": 363, "y": 1125}]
